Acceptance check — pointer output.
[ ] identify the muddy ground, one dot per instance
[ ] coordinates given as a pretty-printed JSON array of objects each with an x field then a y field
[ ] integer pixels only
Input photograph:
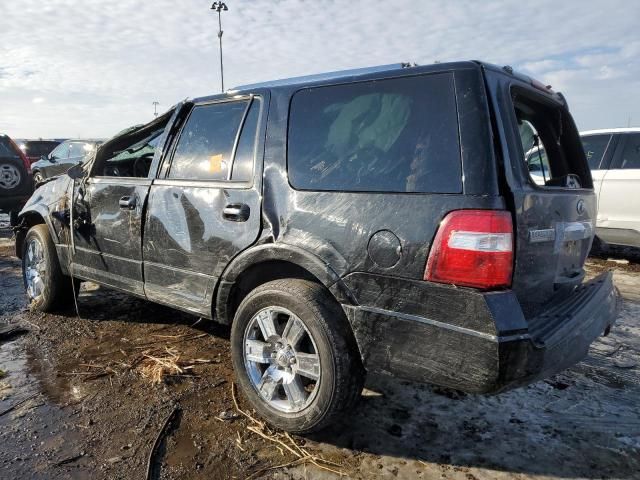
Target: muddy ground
[{"x": 88, "y": 411}]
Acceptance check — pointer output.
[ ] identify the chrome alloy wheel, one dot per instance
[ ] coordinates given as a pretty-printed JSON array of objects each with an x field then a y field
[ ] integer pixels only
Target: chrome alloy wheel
[
  {"x": 34, "y": 268},
  {"x": 9, "y": 176},
  {"x": 281, "y": 359}
]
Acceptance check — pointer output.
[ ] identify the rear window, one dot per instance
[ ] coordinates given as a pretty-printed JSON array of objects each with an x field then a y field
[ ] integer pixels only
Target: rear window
[
  {"x": 7, "y": 149},
  {"x": 398, "y": 135},
  {"x": 552, "y": 149}
]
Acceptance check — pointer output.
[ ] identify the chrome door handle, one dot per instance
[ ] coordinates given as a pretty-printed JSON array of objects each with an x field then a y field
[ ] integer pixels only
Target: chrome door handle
[
  {"x": 236, "y": 212},
  {"x": 127, "y": 203}
]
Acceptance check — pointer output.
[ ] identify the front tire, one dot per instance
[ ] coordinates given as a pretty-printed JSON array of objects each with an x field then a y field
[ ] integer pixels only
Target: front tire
[
  {"x": 294, "y": 355},
  {"x": 37, "y": 179},
  {"x": 48, "y": 289}
]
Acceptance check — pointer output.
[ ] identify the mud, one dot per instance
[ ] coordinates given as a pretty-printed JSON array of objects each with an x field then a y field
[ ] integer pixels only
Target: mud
[{"x": 89, "y": 413}]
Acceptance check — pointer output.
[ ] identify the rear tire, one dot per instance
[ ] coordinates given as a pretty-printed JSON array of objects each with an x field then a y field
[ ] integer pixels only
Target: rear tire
[
  {"x": 48, "y": 289},
  {"x": 306, "y": 369}
]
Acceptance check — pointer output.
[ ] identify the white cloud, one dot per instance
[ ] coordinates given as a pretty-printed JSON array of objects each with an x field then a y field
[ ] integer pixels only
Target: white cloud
[
  {"x": 101, "y": 67},
  {"x": 37, "y": 100}
]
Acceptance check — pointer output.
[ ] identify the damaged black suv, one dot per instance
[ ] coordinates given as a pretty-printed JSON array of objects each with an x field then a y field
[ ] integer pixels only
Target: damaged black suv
[{"x": 372, "y": 221}]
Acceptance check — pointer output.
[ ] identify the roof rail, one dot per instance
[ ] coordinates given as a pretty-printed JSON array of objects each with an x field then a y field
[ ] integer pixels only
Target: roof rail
[{"x": 322, "y": 76}]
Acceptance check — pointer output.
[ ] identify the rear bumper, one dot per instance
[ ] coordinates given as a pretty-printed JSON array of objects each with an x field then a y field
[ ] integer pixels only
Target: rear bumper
[{"x": 472, "y": 341}]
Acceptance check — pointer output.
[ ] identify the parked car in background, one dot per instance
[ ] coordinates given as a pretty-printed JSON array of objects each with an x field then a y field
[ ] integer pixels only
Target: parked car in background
[
  {"x": 63, "y": 157},
  {"x": 16, "y": 182},
  {"x": 614, "y": 158},
  {"x": 34, "y": 149},
  {"x": 375, "y": 229}
]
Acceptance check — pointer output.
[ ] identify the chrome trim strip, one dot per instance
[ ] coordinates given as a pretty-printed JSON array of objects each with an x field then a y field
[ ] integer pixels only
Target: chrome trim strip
[
  {"x": 448, "y": 326},
  {"x": 202, "y": 183},
  {"x": 125, "y": 181},
  {"x": 176, "y": 269}
]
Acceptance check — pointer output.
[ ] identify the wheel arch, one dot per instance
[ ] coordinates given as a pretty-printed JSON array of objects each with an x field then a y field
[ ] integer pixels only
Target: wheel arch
[
  {"x": 35, "y": 215},
  {"x": 265, "y": 263}
]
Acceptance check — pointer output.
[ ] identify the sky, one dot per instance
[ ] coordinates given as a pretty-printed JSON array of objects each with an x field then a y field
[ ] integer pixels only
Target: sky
[{"x": 92, "y": 68}]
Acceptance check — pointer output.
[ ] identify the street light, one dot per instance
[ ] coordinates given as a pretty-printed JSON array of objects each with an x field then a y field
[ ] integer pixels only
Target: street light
[
  {"x": 220, "y": 7},
  {"x": 155, "y": 108}
]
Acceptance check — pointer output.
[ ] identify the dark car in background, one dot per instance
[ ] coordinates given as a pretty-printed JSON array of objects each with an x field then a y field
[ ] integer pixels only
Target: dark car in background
[
  {"x": 35, "y": 149},
  {"x": 62, "y": 158},
  {"x": 16, "y": 182}
]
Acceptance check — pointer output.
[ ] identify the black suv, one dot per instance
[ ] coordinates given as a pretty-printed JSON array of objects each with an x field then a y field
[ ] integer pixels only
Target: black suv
[
  {"x": 16, "y": 182},
  {"x": 379, "y": 220}
]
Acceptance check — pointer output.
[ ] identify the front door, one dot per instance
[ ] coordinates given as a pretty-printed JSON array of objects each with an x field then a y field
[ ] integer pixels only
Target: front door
[
  {"x": 108, "y": 232},
  {"x": 110, "y": 206},
  {"x": 205, "y": 206}
]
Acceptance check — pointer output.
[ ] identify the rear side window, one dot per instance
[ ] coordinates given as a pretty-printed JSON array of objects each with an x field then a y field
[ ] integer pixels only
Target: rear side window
[
  {"x": 398, "y": 135},
  {"x": 6, "y": 149},
  {"x": 594, "y": 148},
  {"x": 206, "y": 142},
  {"x": 245, "y": 152},
  {"x": 630, "y": 158}
]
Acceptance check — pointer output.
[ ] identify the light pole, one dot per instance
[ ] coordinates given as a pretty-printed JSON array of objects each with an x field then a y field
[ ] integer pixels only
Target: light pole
[
  {"x": 220, "y": 7},
  {"x": 155, "y": 108}
]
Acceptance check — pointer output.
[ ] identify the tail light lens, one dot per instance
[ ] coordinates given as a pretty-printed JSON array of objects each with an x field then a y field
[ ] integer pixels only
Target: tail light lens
[
  {"x": 473, "y": 248},
  {"x": 23, "y": 157}
]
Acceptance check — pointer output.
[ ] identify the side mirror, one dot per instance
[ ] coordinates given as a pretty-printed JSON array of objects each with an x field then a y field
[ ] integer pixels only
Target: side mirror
[
  {"x": 76, "y": 171},
  {"x": 52, "y": 158}
]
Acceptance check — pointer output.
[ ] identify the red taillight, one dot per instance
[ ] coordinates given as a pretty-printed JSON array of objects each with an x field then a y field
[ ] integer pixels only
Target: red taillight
[
  {"x": 23, "y": 157},
  {"x": 473, "y": 248}
]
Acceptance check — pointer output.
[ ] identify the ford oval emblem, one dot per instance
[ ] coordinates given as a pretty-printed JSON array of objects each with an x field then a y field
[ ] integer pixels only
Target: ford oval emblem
[{"x": 580, "y": 207}]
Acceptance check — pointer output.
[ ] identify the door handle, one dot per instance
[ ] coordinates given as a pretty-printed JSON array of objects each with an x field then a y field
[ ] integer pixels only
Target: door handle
[
  {"x": 236, "y": 212},
  {"x": 127, "y": 203}
]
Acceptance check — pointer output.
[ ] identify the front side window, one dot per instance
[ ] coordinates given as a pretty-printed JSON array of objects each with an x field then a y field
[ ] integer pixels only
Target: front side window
[
  {"x": 134, "y": 160},
  {"x": 398, "y": 135},
  {"x": 631, "y": 152},
  {"x": 594, "y": 148},
  {"x": 205, "y": 147}
]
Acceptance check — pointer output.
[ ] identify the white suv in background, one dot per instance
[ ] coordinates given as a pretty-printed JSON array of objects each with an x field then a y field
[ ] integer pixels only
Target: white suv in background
[{"x": 614, "y": 158}]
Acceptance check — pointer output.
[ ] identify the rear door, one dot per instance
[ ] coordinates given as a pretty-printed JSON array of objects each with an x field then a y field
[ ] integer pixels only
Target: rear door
[
  {"x": 619, "y": 205},
  {"x": 204, "y": 207},
  {"x": 553, "y": 221}
]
